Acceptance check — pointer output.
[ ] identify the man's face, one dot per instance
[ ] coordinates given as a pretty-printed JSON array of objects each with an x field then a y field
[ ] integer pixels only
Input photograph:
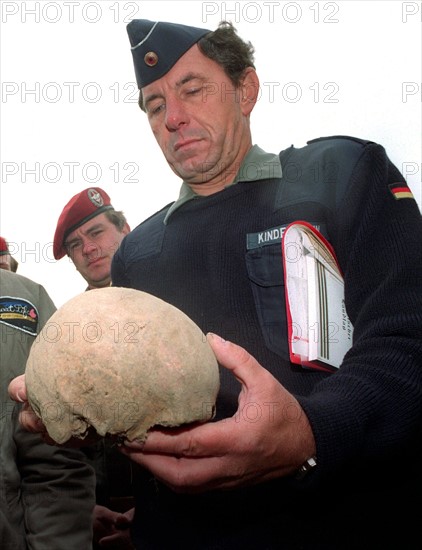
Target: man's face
[
  {"x": 91, "y": 248},
  {"x": 5, "y": 262},
  {"x": 199, "y": 121}
]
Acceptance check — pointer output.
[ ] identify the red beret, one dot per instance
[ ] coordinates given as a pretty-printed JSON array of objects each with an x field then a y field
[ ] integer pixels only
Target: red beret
[
  {"x": 3, "y": 247},
  {"x": 81, "y": 208}
]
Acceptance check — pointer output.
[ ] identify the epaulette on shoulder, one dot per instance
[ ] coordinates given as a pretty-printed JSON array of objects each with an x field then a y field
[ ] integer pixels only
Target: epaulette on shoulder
[
  {"x": 320, "y": 171},
  {"x": 162, "y": 212},
  {"x": 135, "y": 246},
  {"x": 339, "y": 138}
]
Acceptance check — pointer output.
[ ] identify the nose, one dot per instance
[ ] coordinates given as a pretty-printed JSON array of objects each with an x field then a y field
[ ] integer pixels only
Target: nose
[
  {"x": 91, "y": 249},
  {"x": 176, "y": 115}
]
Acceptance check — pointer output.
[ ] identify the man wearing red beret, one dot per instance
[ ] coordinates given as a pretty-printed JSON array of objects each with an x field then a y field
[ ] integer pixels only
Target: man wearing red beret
[
  {"x": 89, "y": 231},
  {"x": 5, "y": 257},
  {"x": 7, "y": 261}
]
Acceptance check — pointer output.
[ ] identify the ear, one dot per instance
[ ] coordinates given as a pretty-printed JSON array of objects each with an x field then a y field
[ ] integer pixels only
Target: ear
[
  {"x": 249, "y": 90},
  {"x": 126, "y": 229}
]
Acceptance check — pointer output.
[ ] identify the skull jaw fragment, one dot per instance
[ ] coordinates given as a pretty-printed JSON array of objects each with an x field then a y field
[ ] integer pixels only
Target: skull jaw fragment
[{"x": 120, "y": 361}]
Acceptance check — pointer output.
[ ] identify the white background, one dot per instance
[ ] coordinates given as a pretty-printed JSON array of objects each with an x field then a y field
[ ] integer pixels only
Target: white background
[{"x": 69, "y": 117}]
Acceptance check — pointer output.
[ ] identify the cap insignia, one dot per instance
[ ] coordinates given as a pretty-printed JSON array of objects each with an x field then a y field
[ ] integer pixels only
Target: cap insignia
[{"x": 151, "y": 59}]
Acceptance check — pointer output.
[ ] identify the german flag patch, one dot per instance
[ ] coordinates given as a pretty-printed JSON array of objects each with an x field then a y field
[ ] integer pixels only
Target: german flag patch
[{"x": 400, "y": 191}]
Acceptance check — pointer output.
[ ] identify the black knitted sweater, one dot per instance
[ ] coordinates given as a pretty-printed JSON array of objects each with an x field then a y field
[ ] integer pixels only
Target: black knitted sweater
[{"x": 218, "y": 259}]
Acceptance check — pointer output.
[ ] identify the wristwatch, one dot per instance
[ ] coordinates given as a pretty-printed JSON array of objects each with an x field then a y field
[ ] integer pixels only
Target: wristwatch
[{"x": 306, "y": 467}]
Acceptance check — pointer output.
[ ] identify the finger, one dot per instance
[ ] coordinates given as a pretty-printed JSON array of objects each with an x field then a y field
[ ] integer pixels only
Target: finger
[
  {"x": 183, "y": 474},
  {"x": 30, "y": 421},
  {"x": 17, "y": 389},
  {"x": 122, "y": 522},
  {"x": 119, "y": 540},
  {"x": 105, "y": 514},
  {"x": 179, "y": 442},
  {"x": 195, "y": 441},
  {"x": 235, "y": 358},
  {"x": 109, "y": 541}
]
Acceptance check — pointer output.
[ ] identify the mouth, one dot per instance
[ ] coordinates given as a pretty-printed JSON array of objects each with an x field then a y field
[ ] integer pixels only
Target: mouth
[
  {"x": 185, "y": 143},
  {"x": 95, "y": 261}
]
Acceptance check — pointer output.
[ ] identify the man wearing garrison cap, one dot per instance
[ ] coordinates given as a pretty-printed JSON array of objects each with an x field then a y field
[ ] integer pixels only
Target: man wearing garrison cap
[
  {"x": 297, "y": 457},
  {"x": 89, "y": 231}
]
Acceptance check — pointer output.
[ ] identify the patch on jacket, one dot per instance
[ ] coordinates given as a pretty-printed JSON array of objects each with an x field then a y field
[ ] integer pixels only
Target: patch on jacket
[
  {"x": 273, "y": 235},
  {"x": 19, "y": 314},
  {"x": 400, "y": 191}
]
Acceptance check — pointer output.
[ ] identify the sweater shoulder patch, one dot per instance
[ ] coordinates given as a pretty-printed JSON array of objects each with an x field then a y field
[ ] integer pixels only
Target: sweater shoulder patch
[
  {"x": 401, "y": 190},
  {"x": 19, "y": 314}
]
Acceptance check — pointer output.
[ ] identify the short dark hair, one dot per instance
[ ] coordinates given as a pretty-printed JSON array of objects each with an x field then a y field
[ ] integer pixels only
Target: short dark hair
[
  {"x": 225, "y": 47},
  {"x": 117, "y": 218},
  {"x": 13, "y": 264}
]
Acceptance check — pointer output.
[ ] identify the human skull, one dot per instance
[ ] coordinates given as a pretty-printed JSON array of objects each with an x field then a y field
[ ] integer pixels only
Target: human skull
[{"x": 122, "y": 361}]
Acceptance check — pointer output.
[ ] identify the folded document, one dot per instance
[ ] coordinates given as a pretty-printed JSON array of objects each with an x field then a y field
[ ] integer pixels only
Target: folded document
[{"x": 320, "y": 332}]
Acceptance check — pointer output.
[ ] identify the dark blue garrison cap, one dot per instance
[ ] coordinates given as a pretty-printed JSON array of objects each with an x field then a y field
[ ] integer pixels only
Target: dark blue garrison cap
[{"x": 156, "y": 46}]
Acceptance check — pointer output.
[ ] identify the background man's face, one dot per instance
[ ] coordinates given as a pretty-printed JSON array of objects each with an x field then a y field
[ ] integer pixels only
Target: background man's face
[
  {"x": 91, "y": 248},
  {"x": 5, "y": 260}
]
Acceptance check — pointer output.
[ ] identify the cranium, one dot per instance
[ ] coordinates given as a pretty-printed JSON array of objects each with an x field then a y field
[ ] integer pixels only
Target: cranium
[{"x": 122, "y": 361}]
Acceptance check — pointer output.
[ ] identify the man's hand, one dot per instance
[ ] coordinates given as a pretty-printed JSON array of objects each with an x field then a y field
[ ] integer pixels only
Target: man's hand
[
  {"x": 268, "y": 437},
  {"x": 29, "y": 420},
  {"x": 32, "y": 423},
  {"x": 112, "y": 529}
]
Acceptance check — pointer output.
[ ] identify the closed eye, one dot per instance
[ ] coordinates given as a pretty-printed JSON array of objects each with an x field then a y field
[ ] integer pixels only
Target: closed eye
[{"x": 155, "y": 109}]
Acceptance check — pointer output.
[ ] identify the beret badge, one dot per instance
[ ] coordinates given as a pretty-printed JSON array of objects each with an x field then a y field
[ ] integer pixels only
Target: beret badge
[{"x": 95, "y": 197}]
